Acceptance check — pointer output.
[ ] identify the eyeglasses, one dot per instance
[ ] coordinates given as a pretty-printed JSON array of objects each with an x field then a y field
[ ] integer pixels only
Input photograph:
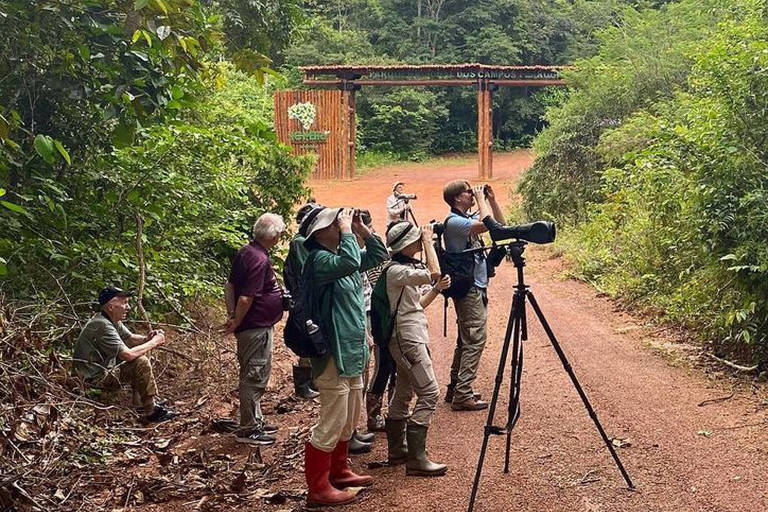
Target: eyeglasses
[{"x": 466, "y": 190}]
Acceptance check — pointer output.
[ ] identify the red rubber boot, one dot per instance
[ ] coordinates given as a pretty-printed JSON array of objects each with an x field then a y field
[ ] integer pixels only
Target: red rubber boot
[
  {"x": 317, "y": 465},
  {"x": 341, "y": 475}
]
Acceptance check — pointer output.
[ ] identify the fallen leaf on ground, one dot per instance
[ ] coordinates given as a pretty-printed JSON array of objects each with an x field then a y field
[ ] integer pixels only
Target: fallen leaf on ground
[
  {"x": 162, "y": 444},
  {"x": 621, "y": 443},
  {"x": 25, "y": 433}
]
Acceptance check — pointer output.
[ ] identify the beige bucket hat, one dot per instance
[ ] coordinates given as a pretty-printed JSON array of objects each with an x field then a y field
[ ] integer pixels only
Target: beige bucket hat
[
  {"x": 321, "y": 218},
  {"x": 402, "y": 234}
]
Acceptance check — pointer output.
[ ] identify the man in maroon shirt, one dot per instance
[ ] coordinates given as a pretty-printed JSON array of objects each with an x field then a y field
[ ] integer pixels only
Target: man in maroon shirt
[{"x": 258, "y": 307}]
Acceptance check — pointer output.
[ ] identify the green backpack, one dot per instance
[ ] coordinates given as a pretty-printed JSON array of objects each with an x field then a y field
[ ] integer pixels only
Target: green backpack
[{"x": 382, "y": 319}]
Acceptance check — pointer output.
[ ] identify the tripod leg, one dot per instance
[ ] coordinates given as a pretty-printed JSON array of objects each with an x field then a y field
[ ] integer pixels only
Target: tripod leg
[
  {"x": 413, "y": 218},
  {"x": 569, "y": 371},
  {"x": 515, "y": 366},
  {"x": 512, "y": 322}
]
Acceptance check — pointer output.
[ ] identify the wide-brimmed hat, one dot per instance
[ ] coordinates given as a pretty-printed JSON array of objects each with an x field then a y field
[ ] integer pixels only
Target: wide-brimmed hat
[
  {"x": 320, "y": 218},
  {"x": 304, "y": 210},
  {"x": 396, "y": 184},
  {"x": 308, "y": 217},
  {"x": 402, "y": 234}
]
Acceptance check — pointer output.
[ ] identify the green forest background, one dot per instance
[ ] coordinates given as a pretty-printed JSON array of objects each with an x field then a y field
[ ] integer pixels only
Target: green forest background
[{"x": 137, "y": 145}]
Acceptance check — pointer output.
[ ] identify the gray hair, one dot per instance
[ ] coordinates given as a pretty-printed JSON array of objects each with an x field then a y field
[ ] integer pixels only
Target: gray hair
[{"x": 268, "y": 226}]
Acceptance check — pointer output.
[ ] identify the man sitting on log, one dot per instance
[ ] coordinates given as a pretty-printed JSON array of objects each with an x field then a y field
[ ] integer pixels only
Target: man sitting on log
[{"x": 105, "y": 339}]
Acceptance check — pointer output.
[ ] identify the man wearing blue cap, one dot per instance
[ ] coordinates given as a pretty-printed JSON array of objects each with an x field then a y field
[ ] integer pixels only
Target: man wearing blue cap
[{"x": 105, "y": 339}]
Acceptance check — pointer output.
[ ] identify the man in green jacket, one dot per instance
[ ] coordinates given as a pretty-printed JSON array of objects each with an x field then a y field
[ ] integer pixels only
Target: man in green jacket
[{"x": 337, "y": 261}]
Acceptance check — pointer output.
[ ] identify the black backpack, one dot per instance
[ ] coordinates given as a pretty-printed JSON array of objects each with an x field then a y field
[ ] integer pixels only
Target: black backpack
[
  {"x": 302, "y": 333},
  {"x": 459, "y": 265},
  {"x": 292, "y": 271}
]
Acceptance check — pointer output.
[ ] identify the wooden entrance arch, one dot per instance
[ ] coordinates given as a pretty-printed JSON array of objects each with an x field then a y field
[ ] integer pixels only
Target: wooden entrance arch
[{"x": 485, "y": 78}]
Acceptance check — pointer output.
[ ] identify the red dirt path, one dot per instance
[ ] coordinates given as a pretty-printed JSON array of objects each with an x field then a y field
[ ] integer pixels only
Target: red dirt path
[{"x": 681, "y": 456}]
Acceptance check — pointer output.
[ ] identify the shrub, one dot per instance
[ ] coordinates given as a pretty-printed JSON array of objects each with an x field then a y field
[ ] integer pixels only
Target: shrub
[{"x": 683, "y": 223}]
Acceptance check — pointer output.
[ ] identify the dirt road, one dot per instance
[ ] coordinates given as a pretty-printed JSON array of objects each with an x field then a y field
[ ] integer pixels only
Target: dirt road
[{"x": 684, "y": 454}]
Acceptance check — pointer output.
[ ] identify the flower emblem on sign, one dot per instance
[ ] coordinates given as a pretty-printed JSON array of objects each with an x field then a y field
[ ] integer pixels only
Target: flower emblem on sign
[{"x": 304, "y": 113}]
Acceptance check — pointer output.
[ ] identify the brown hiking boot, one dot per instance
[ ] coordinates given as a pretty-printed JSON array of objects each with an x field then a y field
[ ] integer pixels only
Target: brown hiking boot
[
  {"x": 469, "y": 405},
  {"x": 449, "y": 392}
]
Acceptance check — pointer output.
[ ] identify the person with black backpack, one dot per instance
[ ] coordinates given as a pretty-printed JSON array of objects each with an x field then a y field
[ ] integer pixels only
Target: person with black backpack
[
  {"x": 294, "y": 263},
  {"x": 334, "y": 264},
  {"x": 406, "y": 282},
  {"x": 469, "y": 275}
]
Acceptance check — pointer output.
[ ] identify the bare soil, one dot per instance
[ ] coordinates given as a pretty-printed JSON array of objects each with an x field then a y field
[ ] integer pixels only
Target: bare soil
[
  {"x": 691, "y": 436},
  {"x": 682, "y": 453}
]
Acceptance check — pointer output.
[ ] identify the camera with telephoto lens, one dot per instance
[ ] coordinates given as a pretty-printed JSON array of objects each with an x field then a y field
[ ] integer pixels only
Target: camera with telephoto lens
[
  {"x": 539, "y": 232},
  {"x": 406, "y": 197}
]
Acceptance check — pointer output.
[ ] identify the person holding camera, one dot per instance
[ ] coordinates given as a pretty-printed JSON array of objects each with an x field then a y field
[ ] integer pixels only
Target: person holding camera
[
  {"x": 470, "y": 297},
  {"x": 258, "y": 306},
  {"x": 335, "y": 262},
  {"x": 409, "y": 292},
  {"x": 398, "y": 204}
]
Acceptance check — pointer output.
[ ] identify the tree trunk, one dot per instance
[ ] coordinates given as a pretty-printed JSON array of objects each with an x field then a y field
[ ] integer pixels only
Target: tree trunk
[
  {"x": 418, "y": 18},
  {"x": 142, "y": 269}
]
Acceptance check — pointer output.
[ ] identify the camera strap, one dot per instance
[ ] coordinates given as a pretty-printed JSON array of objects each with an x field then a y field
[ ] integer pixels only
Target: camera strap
[
  {"x": 481, "y": 254},
  {"x": 401, "y": 235}
]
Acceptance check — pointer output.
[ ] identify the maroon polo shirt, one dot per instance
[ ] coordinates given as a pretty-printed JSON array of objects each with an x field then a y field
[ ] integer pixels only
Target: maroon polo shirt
[{"x": 252, "y": 276}]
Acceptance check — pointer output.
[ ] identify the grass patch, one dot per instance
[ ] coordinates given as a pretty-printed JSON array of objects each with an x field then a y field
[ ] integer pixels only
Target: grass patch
[
  {"x": 365, "y": 161},
  {"x": 369, "y": 160}
]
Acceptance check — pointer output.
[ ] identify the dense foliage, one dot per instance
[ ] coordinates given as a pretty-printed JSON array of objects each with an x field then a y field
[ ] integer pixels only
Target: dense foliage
[
  {"x": 122, "y": 140},
  {"x": 501, "y": 32},
  {"x": 659, "y": 160},
  {"x": 136, "y": 141}
]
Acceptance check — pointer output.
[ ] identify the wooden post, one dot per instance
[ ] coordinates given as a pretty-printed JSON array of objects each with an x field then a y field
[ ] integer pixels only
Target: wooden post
[
  {"x": 489, "y": 124},
  {"x": 350, "y": 119},
  {"x": 344, "y": 139},
  {"x": 480, "y": 130},
  {"x": 484, "y": 130}
]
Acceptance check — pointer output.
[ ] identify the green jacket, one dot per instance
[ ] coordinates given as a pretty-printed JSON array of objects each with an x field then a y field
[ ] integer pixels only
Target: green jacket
[{"x": 341, "y": 306}]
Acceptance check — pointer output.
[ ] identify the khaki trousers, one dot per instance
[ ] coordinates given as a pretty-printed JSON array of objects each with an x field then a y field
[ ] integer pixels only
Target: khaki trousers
[
  {"x": 254, "y": 353},
  {"x": 472, "y": 316},
  {"x": 138, "y": 374},
  {"x": 414, "y": 374},
  {"x": 341, "y": 400}
]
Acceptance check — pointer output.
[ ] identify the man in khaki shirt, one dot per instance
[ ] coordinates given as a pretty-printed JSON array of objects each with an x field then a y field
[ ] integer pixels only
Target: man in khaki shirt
[{"x": 409, "y": 292}]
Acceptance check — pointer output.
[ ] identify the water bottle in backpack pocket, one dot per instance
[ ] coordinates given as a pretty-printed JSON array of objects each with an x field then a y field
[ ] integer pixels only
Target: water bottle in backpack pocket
[{"x": 303, "y": 334}]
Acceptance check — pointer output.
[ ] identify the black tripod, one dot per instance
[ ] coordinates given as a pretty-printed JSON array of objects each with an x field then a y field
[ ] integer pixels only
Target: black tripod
[
  {"x": 413, "y": 217},
  {"x": 517, "y": 332}
]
